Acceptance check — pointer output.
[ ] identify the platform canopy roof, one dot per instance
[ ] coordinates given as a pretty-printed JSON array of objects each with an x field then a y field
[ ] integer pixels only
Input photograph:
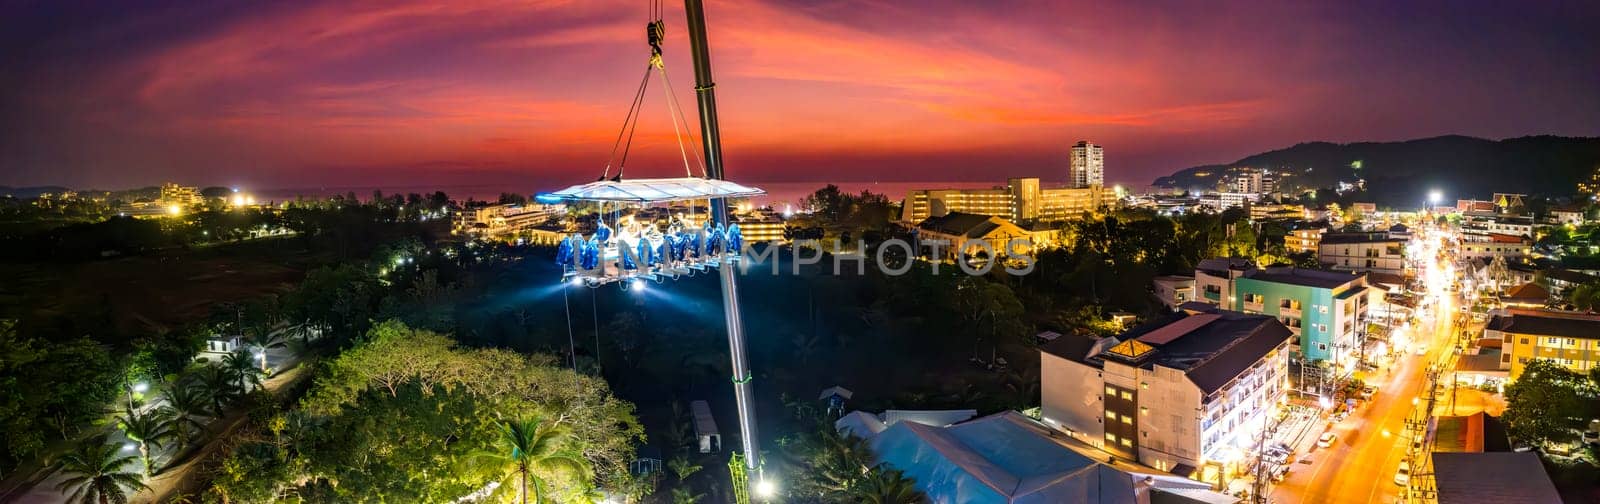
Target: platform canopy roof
[{"x": 652, "y": 190}]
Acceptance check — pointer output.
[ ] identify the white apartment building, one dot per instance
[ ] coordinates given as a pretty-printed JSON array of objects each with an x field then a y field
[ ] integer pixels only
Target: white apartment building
[
  {"x": 1219, "y": 201},
  {"x": 1173, "y": 290},
  {"x": 1088, "y": 165},
  {"x": 1511, "y": 247},
  {"x": 1213, "y": 280},
  {"x": 1186, "y": 394},
  {"x": 1374, "y": 252}
]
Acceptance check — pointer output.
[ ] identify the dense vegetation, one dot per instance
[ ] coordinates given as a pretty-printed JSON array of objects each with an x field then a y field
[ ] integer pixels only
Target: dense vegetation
[{"x": 406, "y": 416}]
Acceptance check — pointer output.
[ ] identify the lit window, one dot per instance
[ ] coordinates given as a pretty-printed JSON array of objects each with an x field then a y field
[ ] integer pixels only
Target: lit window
[
  {"x": 1111, "y": 391},
  {"x": 1111, "y": 438},
  {"x": 1111, "y": 416},
  {"x": 1144, "y": 411},
  {"x": 1127, "y": 396},
  {"x": 1129, "y": 420},
  {"x": 1144, "y": 385},
  {"x": 1128, "y": 443}
]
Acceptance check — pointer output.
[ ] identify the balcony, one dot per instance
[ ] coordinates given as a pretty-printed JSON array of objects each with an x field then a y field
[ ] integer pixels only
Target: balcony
[
  {"x": 1291, "y": 312},
  {"x": 1254, "y": 305}
]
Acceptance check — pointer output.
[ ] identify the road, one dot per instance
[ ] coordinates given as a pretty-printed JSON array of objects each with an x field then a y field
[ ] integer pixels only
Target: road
[{"x": 1360, "y": 466}]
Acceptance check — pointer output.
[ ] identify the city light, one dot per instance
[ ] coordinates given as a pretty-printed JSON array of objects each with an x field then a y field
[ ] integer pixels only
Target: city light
[
  {"x": 1435, "y": 196},
  {"x": 174, "y": 209},
  {"x": 766, "y": 489}
]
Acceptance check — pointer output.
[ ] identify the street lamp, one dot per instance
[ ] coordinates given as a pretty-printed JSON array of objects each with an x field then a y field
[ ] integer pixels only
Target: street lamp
[{"x": 765, "y": 489}]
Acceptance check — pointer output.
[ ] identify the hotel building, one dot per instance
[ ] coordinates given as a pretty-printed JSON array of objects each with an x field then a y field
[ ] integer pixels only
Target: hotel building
[
  {"x": 1088, "y": 165},
  {"x": 1375, "y": 252},
  {"x": 1569, "y": 339},
  {"x": 1021, "y": 199},
  {"x": 496, "y": 220},
  {"x": 1188, "y": 393}
]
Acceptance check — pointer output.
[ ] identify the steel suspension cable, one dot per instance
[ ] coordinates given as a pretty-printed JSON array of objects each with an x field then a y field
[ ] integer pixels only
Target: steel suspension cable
[
  {"x": 672, "y": 115},
  {"x": 631, "y": 119},
  {"x": 679, "y": 117},
  {"x": 634, "y": 128}
]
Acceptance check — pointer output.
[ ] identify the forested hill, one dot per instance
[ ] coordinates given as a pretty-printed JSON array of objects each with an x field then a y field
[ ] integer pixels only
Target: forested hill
[{"x": 1398, "y": 173}]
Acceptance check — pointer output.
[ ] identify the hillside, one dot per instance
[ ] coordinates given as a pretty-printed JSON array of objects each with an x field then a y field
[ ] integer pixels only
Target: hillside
[{"x": 1398, "y": 173}]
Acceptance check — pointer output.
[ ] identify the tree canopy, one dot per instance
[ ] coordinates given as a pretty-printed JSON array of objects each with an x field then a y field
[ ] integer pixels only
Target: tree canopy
[{"x": 402, "y": 414}]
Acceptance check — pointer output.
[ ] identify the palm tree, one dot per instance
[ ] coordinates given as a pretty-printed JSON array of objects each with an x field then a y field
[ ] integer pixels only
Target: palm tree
[
  {"x": 218, "y": 386},
  {"x": 835, "y": 462},
  {"x": 185, "y": 403},
  {"x": 683, "y": 495},
  {"x": 262, "y": 338},
  {"x": 148, "y": 429},
  {"x": 887, "y": 486},
  {"x": 95, "y": 474},
  {"x": 241, "y": 367},
  {"x": 527, "y": 448}
]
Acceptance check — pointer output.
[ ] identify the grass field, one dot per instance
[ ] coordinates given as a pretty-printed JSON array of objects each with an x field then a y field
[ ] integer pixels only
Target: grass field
[{"x": 158, "y": 291}]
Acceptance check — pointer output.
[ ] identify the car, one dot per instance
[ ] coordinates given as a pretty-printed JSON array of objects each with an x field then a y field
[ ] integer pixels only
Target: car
[
  {"x": 1326, "y": 440},
  {"x": 1402, "y": 476}
]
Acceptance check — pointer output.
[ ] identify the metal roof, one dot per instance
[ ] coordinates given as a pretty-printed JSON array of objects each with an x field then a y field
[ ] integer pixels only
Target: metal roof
[{"x": 652, "y": 190}]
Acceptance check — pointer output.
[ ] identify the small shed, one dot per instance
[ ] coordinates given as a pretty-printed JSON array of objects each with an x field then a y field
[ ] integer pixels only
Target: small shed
[
  {"x": 221, "y": 344},
  {"x": 705, "y": 427}
]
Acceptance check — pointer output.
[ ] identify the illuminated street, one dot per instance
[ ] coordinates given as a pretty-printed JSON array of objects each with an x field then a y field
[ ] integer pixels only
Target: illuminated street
[{"x": 1361, "y": 465}]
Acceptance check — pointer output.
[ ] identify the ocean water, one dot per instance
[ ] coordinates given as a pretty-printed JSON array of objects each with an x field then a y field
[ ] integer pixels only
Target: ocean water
[{"x": 778, "y": 193}]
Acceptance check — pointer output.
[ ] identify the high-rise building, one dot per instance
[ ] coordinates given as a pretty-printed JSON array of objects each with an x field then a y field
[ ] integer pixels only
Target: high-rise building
[
  {"x": 174, "y": 194},
  {"x": 1088, "y": 166}
]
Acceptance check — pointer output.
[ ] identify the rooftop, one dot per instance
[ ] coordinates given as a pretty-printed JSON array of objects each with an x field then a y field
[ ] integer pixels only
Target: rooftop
[
  {"x": 960, "y": 224},
  {"x": 1493, "y": 478},
  {"x": 1220, "y": 266},
  {"x": 1547, "y": 323},
  {"x": 1303, "y": 277},
  {"x": 1528, "y": 292},
  {"x": 1340, "y": 238},
  {"x": 1009, "y": 458},
  {"x": 1211, "y": 348},
  {"x": 1569, "y": 276}
]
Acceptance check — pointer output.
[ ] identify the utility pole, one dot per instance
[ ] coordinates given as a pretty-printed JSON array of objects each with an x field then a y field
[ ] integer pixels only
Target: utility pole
[
  {"x": 705, "y": 89},
  {"x": 1259, "y": 487}
]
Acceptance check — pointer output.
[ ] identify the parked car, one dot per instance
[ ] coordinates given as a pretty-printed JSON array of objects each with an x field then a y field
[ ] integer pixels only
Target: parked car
[
  {"x": 1402, "y": 476},
  {"x": 1326, "y": 440}
]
